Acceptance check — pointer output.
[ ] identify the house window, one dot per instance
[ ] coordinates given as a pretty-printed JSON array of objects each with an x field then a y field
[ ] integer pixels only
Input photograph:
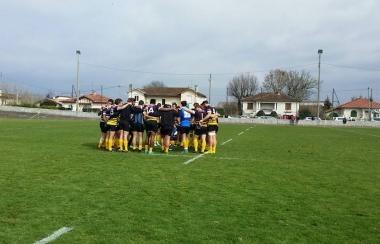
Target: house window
[
  {"x": 354, "y": 113},
  {"x": 288, "y": 106},
  {"x": 163, "y": 101},
  {"x": 137, "y": 98},
  {"x": 250, "y": 106}
]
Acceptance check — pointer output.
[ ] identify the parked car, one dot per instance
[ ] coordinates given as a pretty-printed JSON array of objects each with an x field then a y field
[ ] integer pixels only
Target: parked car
[
  {"x": 338, "y": 118},
  {"x": 311, "y": 118},
  {"x": 265, "y": 117}
]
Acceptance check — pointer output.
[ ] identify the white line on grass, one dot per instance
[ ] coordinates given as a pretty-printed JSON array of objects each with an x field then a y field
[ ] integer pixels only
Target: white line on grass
[
  {"x": 54, "y": 236},
  {"x": 226, "y": 141},
  {"x": 195, "y": 158},
  {"x": 357, "y": 132},
  {"x": 240, "y": 133}
]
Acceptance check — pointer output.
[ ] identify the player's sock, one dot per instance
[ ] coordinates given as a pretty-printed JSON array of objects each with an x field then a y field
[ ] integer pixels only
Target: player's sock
[
  {"x": 195, "y": 143},
  {"x": 203, "y": 146},
  {"x": 125, "y": 145}
]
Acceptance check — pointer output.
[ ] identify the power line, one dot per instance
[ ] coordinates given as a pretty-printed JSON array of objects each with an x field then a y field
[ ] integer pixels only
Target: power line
[
  {"x": 350, "y": 67},
  {"x": 200, "y": 74}
]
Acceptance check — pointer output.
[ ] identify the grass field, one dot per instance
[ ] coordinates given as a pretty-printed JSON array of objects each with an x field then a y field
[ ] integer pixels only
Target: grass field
[{"x": 265, "y": 184}]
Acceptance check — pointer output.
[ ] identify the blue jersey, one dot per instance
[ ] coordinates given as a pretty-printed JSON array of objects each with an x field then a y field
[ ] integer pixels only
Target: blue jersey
[{"x": 185, "y": 118}]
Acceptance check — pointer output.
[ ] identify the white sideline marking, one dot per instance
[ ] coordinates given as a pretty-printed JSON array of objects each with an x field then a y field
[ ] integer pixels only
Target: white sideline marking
[
  {"x": 240, "y": 133},
  {"x": 195, "y": 158},
  {"x": 226, "y": 141},
  {"x": 54, "y": 236}
]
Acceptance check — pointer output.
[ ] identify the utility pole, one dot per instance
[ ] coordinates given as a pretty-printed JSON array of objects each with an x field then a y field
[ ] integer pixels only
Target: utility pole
[
  {"x": 369, "y": 107},
  {"x": 209, "y": 91},
  {"x": 320, "y": 51},
  {"x": 195, "y": 93},
  {"x": 227, "y": 96},
  {"x": 77, "y": 102}
]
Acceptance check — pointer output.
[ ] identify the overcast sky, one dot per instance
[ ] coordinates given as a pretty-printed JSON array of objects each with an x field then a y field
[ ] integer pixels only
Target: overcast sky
[{"x": 181, "y": 42}]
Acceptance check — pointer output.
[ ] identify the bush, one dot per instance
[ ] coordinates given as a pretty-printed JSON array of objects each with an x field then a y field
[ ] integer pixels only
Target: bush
[
  {"x": 260, "y": 113},
  {"x": 273, "y": 114}
]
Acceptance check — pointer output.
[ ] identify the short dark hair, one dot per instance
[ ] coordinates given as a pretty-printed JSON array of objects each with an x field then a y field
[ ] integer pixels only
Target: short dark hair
[
  {"x": 141, "y": 102},
  {"x": 118, "y": 100},
  {"x": 152, "y": 101},
  {"x": 183, "y": 103},
  {"x": 204, "y": 102}
]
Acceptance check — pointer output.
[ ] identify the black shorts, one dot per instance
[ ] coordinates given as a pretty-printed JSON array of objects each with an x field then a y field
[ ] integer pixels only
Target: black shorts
[
  {"x": 151, "y": 126},
  {"x": 166, "y": 130},
  {"x": 103, "y": 127},
  {"x": 112, "y": 127},
  {"x": 192, "y": 126},
  {"x": 124, "y": 125},
  {"x": 212, "y": 128},
  {"x": 201, "y": 131},
  {"x": 138, "y": 127},
  {"x": 184, "y": 130}
]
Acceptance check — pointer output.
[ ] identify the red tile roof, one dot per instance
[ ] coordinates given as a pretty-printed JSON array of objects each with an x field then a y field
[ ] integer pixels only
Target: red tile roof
[
  {"x": 357, "y": 103},
  {"x": 270, "y": 97}
]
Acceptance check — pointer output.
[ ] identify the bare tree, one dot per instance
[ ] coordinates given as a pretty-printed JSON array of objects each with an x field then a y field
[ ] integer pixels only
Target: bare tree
[
  {"x": 155, "y": 84},
  {"x": 275, "y": 80},
  {"x": 298, "y": 84},
  {"x": 242, "y": 86},
  {"x": 230, "y": 107}
]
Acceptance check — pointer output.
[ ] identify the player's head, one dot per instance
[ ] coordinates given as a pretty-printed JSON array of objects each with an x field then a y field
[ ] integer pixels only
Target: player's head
[
  {"x": 204, "y": 103},
  {"x": 152, "y": 101},
  {"x": 110, "y": 101},
  {"x": 141, "y": 102},
  {"x": 118, "y": 101},
  {"x": 184, "y": 103}
]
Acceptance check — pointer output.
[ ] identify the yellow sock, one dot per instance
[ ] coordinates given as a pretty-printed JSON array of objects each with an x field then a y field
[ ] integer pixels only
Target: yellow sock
[
  {"x": 203, "y": 146},
  {"x": 125, "y": 145},
  {"x": 110, "y": 143},
  {"x": 120, "y": 144},
  {"x": 166, "y": 149},
  {"x": 146, "y": 147},
  {"x": 162, "y": 147},
  {"x": 140, "y": 147},
  {"x": 185, "y": 144},
  {"x": 150, "y": 149},
  {"x": 195, "y": 142}
]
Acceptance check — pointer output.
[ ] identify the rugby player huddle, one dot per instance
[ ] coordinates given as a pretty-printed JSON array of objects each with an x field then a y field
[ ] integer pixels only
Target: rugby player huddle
[{"x": 122, "y": 125}]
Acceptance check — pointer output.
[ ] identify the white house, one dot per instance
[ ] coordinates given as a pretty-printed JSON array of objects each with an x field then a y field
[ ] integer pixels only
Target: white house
[
  {"x": 87, "y": 102},
  {"x": 357, "y": 109},
  {"x": 167, "y": 95},
  {"x": 7, "y": 99},
  {"x": 270, "y": 101}
]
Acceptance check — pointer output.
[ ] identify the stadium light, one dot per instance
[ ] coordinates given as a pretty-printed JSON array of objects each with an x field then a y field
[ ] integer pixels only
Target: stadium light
[
  {"x": 320, "y": 51},
  {"x": 77, "y": 102}
]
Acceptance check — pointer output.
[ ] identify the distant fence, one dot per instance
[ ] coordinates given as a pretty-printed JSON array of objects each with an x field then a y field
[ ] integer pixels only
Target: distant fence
[
  {"x": 221, "y": 120},
  {"x": 49, "y": 111},
  {"x": 300, "y": 122}
]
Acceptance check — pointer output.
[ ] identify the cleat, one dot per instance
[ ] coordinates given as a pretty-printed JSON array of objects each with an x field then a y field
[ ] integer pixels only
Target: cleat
[
  {"x": 133, "y": 150},
  {"x": 162, "y": 151},
  {"x": 185, "y": 151},
  {"x": 146, "y": 151},
  {"x": 140, "y": 151},
  {"x": 208, "y": 152},
  {"x": 202, "y": 152},
  {"x": 195, "y": 152},
  {"x": 150, "y": 152}
]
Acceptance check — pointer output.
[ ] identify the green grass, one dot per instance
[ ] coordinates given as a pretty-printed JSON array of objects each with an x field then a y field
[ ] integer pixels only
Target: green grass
[{"x": 270, "y": 184}]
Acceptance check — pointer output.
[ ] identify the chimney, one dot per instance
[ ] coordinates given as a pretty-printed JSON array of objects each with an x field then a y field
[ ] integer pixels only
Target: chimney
[
  {"x": 278, "y": 91},
  {"x": 93, "y": 92}
]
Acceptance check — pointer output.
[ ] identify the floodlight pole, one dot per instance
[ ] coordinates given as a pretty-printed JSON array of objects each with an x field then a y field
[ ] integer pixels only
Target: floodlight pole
[
  {"x": 320, "y": 51},
  {"x": 77, "y": 102}
]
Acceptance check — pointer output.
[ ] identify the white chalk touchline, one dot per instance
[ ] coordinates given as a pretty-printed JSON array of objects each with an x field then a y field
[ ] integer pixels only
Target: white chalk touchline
[
  {"x": 226, "y": 141},
  {"x": 54, "y": 236},
  {"x": 195, "y": 158},
  {"x": 240, "y": 133}
]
